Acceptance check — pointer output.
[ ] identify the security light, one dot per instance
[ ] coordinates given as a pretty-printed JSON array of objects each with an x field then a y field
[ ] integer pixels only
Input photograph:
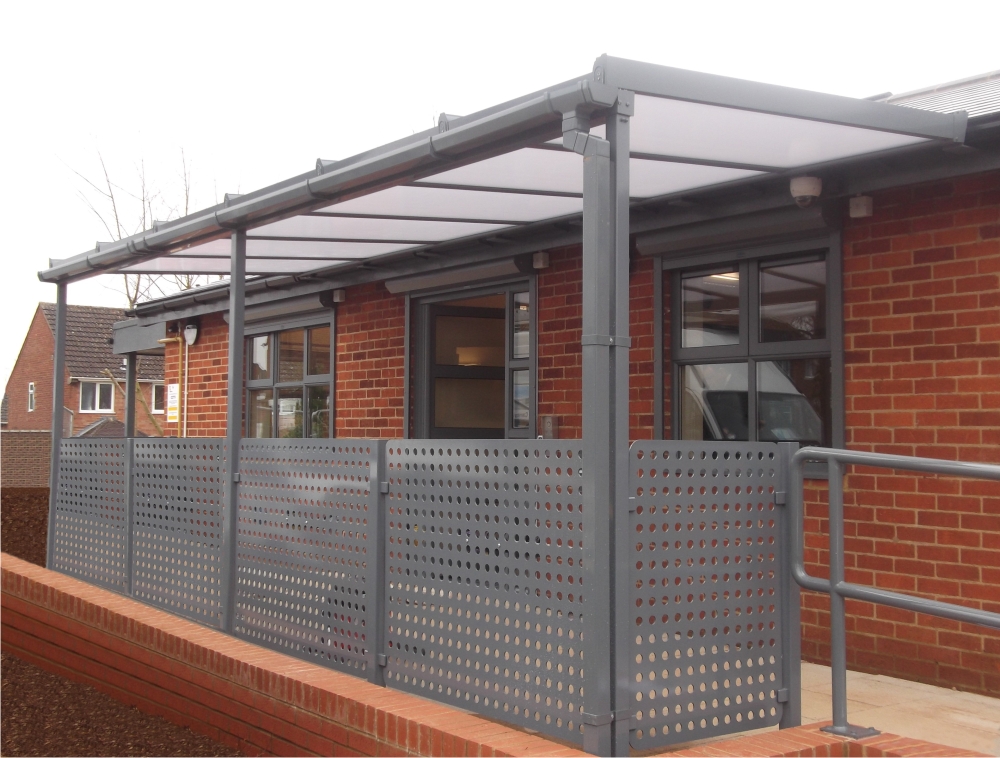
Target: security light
[{"x": 190, "y": 334}]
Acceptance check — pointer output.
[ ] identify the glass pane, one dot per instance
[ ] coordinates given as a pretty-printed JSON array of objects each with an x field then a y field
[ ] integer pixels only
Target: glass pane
[
  {"x": 530, "y": 169},
  {"x": 290, "y": 347},
  {"x": 158, "y": 396},
  {"x": 319, "y": 351},
  {"x": 290, "y": 412},
  {"x": 793, "y": 302},
  {"x": 105, "y": 397},
  {"x": 714, "y": 402},
  {"x": 793, "y": 401},
  {"x": 260, "y": 357},
  {"x": 711, "y": 310},
  {"x": 468, "y": 403},
  {"x": 465, "y": 341},
  {"x": 522, "y": 325},
  {"x": 520, "y": 408},
  {"x": 88, "y": 396},
  {"x": 261, "y": 413},
  {"x": 319, "y": 411}
]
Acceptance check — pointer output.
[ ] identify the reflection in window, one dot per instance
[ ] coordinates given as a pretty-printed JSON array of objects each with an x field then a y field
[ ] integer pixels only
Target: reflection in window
[
  {"x": 261, "y": 412},
  {"x": 290, "y": 354},
  {"x": 520, "y": 408},
  {"x": 793, "y": 302},
  {"x": 468, "y": 403},
  {"x": 319, "y": 351},
  {"x": 793, "y": 401},
  {"x": 522, "y": 325},
  {"x": 260, "y": 357},
  {"x": 711, "y": 310},
  {"x": 290, "y": 412},
  {"x": 467, "y": 341},
  {"x": 319, "y": 411},
  {"x": 714, "y": 402}
]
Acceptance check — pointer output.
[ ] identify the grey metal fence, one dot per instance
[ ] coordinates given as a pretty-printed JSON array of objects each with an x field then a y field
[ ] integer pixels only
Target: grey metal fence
[
  {"x": 705, "y": 570},
  {"x": 454, "y": 568},
  {"x": 484, "y": 595},
  {"x": 177, "y": 522},
  {"x": 303, "y": 549},
  {"x": 91, "y": 518}
]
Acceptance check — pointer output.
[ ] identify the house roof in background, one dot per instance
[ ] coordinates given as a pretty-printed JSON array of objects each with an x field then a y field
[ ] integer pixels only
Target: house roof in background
[
  {"x": 978, "y": 95},
  {"x": 88, "y": 348},
  {"x": 107, "y": 427}
]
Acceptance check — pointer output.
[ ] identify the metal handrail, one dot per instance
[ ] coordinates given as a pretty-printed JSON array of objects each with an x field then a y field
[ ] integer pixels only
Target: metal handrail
[{"x": 836, "y": 587}]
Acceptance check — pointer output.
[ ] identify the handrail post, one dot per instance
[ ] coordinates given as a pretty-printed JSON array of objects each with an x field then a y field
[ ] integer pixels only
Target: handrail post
[{"x": 791, "y": 602}]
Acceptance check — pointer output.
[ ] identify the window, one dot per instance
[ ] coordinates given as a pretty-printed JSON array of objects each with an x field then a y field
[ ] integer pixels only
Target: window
[
  {"x": 159, "y": 398},
  {"x": 753, "y": 357},
  {"x": 97, "y": 397},
  {"x": 289, "y": 383},
  {"x": 31, "y": 396},
  {"x": 477, "y": 379}
]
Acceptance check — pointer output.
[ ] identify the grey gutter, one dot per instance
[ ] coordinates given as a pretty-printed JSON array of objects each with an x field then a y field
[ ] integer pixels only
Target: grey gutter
[{"x": 466, "y": 141}]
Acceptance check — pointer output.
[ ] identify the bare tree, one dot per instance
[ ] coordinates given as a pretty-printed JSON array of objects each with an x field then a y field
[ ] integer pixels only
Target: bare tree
[{"x": 124, "y": 210}]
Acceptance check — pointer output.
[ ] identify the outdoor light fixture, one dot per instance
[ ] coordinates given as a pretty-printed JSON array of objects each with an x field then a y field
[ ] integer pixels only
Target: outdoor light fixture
[
  {"x": 862, "y": 206},
  {"x": 540, "y": 260},
  {"x": 339, "y": 296},
  {"x": 190, "y": 334},
  {"x": 806, "y": 189}
]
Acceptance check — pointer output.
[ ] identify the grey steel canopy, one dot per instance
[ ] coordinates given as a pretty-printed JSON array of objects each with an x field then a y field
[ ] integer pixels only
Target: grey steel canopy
[{"x": 477, "y": 176}]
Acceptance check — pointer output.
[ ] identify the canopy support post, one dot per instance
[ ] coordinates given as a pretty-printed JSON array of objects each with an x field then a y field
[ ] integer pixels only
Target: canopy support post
[
  {"x": 605, "y": 343},
  {"x": 58, "y": 400},
  {"x": 234, "y": 422},
  {"x": 130, "y": 382}
]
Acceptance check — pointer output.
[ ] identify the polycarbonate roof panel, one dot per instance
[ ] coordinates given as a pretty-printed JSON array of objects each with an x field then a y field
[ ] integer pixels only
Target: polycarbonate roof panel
[
  {"x": 334, "y": 227},
  {"x": 531, "y": 170},
  {"x": 677, "y": 146},
  {"x": 728, "y": 135},
  {"x": 655, "y": 178},
  {"x": 428, "y": 202}
]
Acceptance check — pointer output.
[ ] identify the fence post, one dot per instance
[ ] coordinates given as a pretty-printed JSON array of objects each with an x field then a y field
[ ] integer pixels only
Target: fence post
[
  {"x": 129, "y": 510},
  {"x": 58, "y": 389},
  {"x": 234, "y": 426},
  {"x": 378, "y": 481},
  {"x": 791, "y": 597}
]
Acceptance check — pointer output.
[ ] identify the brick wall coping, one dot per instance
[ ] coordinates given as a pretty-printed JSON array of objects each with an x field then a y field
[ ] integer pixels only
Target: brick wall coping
[
  {"x": 26, "y": 431},
  {"x": 262, "y": 702}
]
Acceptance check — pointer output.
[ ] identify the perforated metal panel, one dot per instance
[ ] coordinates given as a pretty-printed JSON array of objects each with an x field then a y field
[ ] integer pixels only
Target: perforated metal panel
[
  {"x": 302, "y": 551},
  {"x": 91, "y": 517},
  {"x": 484, "y": 578},
  {"x": 177, "y": 552},
  {"x": 705, "y": 578}
]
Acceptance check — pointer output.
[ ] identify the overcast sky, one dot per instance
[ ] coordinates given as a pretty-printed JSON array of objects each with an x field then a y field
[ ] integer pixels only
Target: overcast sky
[{"x": 254, "y": 93}]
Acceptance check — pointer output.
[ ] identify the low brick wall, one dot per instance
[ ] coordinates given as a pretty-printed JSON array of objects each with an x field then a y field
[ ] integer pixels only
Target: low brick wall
[
  {"x": 261, "y": 702},
  {"x": 24, "y": 458}
]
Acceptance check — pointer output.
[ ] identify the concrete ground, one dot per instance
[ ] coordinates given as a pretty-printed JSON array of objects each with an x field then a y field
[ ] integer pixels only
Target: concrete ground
[{"x": 909, "y": 709}]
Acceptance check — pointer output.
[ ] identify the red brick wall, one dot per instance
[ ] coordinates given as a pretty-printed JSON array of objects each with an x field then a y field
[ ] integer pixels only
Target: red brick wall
[
  {"x": 560, "y": 316},
  {"x": 34, "y": 364},
  {"x": 25, "y": 458},
  {"x": 369, "y": 360},
  {"x": 208, "y": 364},
  {"x": 922, "y": 340},
  {"x": 254, "y": 700}
]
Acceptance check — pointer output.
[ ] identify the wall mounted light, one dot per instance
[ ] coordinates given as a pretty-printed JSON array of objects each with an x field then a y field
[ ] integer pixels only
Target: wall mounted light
[
  {"x": 190, "y": 334},
  {"x": 540, "y": 260}
]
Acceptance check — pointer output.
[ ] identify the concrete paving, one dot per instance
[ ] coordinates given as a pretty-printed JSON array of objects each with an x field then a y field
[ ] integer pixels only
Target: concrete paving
[{"x": 909, "y": 709}]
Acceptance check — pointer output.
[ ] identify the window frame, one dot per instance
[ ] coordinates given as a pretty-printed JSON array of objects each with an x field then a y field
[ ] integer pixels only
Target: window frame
[
  {"x": 423, "y": 390},
  {"x": 31, "y": 397},
  {"x": 751, "y": 349},
  {"x": 97, "y": 396},
  {"x": 152, "y": 396},
  {"x": 272, "y": 330}
]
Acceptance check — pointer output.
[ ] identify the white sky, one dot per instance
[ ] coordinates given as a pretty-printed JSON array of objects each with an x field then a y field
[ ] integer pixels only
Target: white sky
[{"x": 254, "y": 93}]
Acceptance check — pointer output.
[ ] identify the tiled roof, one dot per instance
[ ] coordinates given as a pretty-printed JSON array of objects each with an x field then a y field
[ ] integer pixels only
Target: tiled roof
[
  {"x": 107, "y": 427},
  {"x": 979, "y": 95},
  {"x": 88, "y": 343}
]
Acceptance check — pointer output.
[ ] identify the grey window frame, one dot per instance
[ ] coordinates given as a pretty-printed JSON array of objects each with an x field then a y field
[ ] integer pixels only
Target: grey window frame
[
  {"x": 423, "y": 403},
  {"x": 272, "y": 329},
  {"x": 750, "y": 349}
]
